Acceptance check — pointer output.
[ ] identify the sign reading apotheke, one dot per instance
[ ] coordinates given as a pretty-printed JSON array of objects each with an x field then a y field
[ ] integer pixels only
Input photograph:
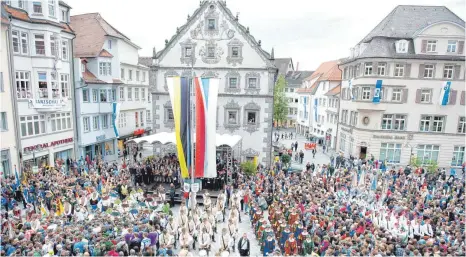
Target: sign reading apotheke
[
  {"x": 388, "y": 137},
  {"x": 47, "y": 103},
  {"x": 46, "y": 145}
]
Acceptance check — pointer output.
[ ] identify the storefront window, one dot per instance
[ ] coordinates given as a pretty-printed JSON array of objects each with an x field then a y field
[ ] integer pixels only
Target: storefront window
[{"x": 109, "y": 148}]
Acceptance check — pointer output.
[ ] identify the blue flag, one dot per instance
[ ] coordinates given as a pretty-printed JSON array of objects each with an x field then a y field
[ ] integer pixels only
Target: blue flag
[
  {"x": 315, "y": 109},
  {"x": 445, "y": 93},
  {"x": 377, "y": 91}
]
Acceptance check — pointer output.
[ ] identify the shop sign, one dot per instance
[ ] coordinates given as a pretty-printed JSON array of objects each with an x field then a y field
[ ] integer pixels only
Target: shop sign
[
  {"x": 388, "y": 137},
  {"x": 100, "y": 138},
  {"x": 348, "y": 130},
  {"x": 47, "y": 103},
  {"x": 47, "y": 145}
]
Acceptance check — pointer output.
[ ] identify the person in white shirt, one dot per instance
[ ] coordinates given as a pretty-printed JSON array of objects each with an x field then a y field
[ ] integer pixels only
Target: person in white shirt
[
  {"x": 166, "y": 243},
  {"x": 186, "y": 239},
  {"x": 426, "y": 229},
  {"x": 204, "y": 241},
  {"x": 224, "y": 240},
  {"x": 416, "y": 226}
]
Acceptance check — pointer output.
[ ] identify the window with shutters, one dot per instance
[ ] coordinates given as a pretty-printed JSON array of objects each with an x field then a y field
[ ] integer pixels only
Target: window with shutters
[
  {"x": 366, "y": 93},
  {"x": 426, "y": 95},
  {"x": 451, "y": 48},
  {"x": 368, "y": 69},
  {"x": 458, "y": 156},
  {"x": 428, "y": 71},
  {"x": 399, "y": 70},
  {"x": 381, "y": 69},
  {"x": 431, "y": 46},
  {"x": 396, "y": 94},
  {"x": 448, "y": 71},
  {"x": 462, "y": 125}
]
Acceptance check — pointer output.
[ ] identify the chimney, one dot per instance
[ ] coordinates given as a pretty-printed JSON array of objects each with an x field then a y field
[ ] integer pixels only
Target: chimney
[{"x": 297, "y": 66}]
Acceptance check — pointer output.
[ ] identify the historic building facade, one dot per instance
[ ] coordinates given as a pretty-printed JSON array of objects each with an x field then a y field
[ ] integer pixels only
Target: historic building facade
[
  {"x": 214, "y": 44},
  {"x": 108, "y": 74},
  {"x": 41, "y": 45},
  {"x": 392, "y": 84}
]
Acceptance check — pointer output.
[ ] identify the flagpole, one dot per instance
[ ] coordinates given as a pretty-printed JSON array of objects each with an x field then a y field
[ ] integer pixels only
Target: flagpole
[{"x": 191, "y": 109}]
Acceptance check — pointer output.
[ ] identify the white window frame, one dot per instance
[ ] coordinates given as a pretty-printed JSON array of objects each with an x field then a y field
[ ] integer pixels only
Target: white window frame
[
  {"x": 64, "y": 50},
  {"x": 426, "y": 153},
  {"x": 143, "y": 94},
  {"x": 367, "y": 69},
  {"x": 137, "y": 75},
  {"x": 148, "y": 116},
  {"x": 366, "y": 93},
  {"x": 35, "y": 123},
  {"x": 56, "y": 91},
  {"x": 129, "y": 94},
  {"x": 438, "y": 123},
  {"x": 233, "y": 49},
  {"x": 103, "y": 95},
  {"x": 105, "y": 68},
  {"x": 21, "y": 4},
  {"x": 141, "y": 118},
  {"x": 381, "y": 69},
  {"x": 143, "y": 76},
  {"x": 425, "y": 123},
  {"x": 432, "y": 123},
  {"x": 431, "y": 46},
  {"x": 3, "y": 121},
  {"x": 458, "y": 156},
  {"x": 85, "y": 93},
  {"x": 95, "y": 122},
  {"x": 44, "y": 94},
  {"x": 452, "y": 46},
  {"x": 122, "y": 120},
  {"x": 53, "y": 46},
  {"x": 21, "y": 41},
  {"x": 23, "y": 80},
  {"x": 396, "y": 94},
  {"x": 39, "y": 49},
  {"x": 86, "y": 124},
  {"x": 426, "y": 96},
  {"x": 136, "y": 94},
  {"x": 122, "y": 93},
  {"x": 255, "y": 83},
  {"x": 211, "y": 26},
  {"x": 122, "y": 73},
  {"x": 105, "y": 121},
  {"x": 399, "y": 70},
  {"x": 65, "y": 85},
  {"x": 400, "y": 122},
  {"x": 60, "y": 121},
  {"x": 230, "y": 122},
  {"x": 210, "y": 52},
  {"x": 448, "y": 71},
  {"x": 95, "y": 95},
  {"x": 461, "y": 125},
  {"x": 188, "y": 51},
  {"x": 51, "y": 5},
  {"x": 429, "y": 71},
  {"x": 39, "y": 11},
  {"x": 390, "y": 152},
  {"x": 387, "y": 121},
  {"x": 130, "y": 74},
  {"x": 112, "y": 95}
]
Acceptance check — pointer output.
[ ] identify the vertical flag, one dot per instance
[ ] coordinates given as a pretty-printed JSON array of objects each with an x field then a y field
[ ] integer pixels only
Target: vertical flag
[
  {"x": 18, "y": 182},
  {"x": 305, "y": 106},
  {"x": 445, "y": 93},
  {"x": 115, "y": 117},
  {"x": 206, "y": 91},
  {"x": 315, "y": 109},
  {"x": 350, "y": 86},
  {"x": 180, "y": 93},
  {"x": 377, "y": 91}
]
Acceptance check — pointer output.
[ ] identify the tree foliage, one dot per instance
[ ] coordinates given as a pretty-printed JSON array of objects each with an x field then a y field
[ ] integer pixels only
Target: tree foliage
[
  {"x": 286, "y": 159},
  {"x": 280, "y": 103},
  {"x": 429, "y": 165},
  {"x": 248, "y": 168}
]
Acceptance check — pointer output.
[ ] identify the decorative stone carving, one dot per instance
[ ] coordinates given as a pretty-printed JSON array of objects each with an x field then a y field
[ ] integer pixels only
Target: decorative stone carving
[
  {"x": 211, "y": 13},
  {"x": 232, "y": 74},
  {"x": 249, "y": 153},
  {"x": 256, "y": 89},
  {"x": 232, "y": 106},
  {"x": 167, "y": 104},
  {"x": 209, "y": 74},
  {"x": 167, "y": 123},
  {"x": 271, "y": 81},
  {"x": 235, "y": 43},
  {"x": 215, "y": 49},
  {"x": 187, "y": 73},
  {"x": 252, "y": 106},
  {"x": 188, "y": 60},
  {"x": 169, "y": 73}
]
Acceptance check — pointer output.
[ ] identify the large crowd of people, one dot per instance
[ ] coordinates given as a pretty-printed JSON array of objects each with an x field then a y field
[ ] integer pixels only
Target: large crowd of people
[{"x": 101, "y": 209}]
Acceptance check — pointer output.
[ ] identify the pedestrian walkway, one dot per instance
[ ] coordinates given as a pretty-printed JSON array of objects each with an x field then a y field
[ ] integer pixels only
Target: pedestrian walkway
[{"x": 320, "y": 157}]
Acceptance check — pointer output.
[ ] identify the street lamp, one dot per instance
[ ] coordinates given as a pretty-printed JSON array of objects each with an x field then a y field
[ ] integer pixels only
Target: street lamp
[{"x": 411, "y": 152}]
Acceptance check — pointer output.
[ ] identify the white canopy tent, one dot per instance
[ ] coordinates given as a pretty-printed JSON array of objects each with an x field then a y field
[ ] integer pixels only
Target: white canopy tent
[{"x": 170, "y": 138}]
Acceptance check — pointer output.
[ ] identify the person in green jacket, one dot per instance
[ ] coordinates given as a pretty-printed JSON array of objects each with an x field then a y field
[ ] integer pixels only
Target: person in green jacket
[{"x": 308, "y": 246}]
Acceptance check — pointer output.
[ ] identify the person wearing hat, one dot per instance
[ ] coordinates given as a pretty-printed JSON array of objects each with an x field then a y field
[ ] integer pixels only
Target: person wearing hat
[
  {"x": 225, "y": 240},
  {"x": 186, "y": 240},
  {"x": 291, "y": 246},
  {"x": 285, "y": 234},
  {"x": 268, "y": 244}
]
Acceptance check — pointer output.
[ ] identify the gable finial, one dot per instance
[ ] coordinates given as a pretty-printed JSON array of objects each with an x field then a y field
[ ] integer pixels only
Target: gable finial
[
  {"x": 189, "y": 16},
  {"x": 154, "y": 53},
  {"x": 166, "y": 41},
  {"x": 260, "y": 42},
  {"x": 247, "y": 30},
  {"x": 177, "y": 30},
  {"x": 272, "y": 54},
  {"x": 200, "y": 3},
  {"x": 237, "y": 16}
]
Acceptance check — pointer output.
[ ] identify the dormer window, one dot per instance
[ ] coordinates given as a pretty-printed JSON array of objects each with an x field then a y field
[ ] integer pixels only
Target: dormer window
[
  {"x": 402, "y": 46},
  {"x": 451, "y": 48},
  {"x": 37, "y": 7},
  {"x": 211, "y": 24},
  {"x": 431, "y": 46},
  {"x": 21, "y": 4}
]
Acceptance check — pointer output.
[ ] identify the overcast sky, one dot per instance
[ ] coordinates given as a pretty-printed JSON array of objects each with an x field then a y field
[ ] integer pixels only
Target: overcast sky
[{"x": 308, "y": 31}]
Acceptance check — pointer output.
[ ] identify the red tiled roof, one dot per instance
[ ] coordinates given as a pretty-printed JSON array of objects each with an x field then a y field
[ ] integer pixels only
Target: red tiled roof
[
  {"x": 5, "y": 20},
  {"x": 327, "y": 71},
  {"x": 334, "y": 91},
  {"x": 105, "y": 53},
  {"x": 91, "y": 78}
]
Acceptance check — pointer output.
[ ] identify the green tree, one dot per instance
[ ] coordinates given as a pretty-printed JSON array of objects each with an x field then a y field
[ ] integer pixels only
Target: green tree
[
  {"x": 286, "y": 159},
  {"x": 248, "y": 168},
  {"x": 280, "y": 103}
]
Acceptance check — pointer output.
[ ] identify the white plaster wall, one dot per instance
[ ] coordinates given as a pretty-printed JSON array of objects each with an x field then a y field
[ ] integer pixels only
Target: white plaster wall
[
  {"x": 441, "y": 32},
  {"x": 127, "y": 53}
]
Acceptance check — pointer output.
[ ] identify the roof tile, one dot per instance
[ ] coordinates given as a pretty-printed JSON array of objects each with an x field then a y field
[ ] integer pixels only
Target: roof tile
[
  {"x": 105, "y": 53},
  {"x": 334, "y": 91}
]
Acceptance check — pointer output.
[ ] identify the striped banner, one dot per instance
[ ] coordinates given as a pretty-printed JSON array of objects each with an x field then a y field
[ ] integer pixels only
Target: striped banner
[
  {"x": 206, "y": 90},
  {"x": 179, "y": 91}
]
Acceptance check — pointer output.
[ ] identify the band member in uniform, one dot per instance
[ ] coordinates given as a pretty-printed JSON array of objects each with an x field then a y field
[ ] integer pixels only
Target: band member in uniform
[
  {"x": 171, "y": 227},
  {"x": 291, "y": 246},
  {"x": 186, "y": 240},
  {"x": 165, "y": 243},
  {"x": 308, "y": 246},
  {"x": 233, "y": 231},
  {"x": 205, "y": 225},
  {"x": 269, "y": 245},
  {"x": 224, "y": 241},
  {"x": 191, "y": 226},
  {"x": 204, "y": 241},
  {"x": 284, "y": 237}
]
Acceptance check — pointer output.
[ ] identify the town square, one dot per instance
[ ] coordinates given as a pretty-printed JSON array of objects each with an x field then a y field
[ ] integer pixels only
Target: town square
[{"x": 232, "y": 128}]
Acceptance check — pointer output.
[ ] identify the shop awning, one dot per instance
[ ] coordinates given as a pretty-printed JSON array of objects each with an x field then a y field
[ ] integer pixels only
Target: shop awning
[{"x": 169, "y": 138}]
